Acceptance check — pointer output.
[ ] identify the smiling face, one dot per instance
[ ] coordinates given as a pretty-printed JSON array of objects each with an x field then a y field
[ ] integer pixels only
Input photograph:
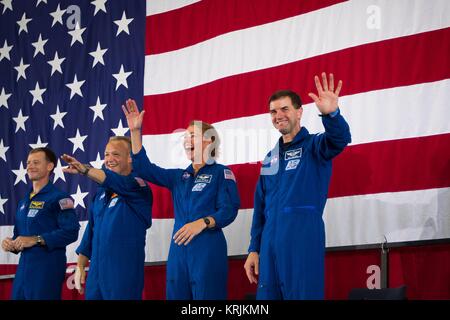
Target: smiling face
[
  {"x": 285, "y": 118},
  {"x": 38, "y": 167},
  {"x": 117, "y": 157},
  {"x": 195, "y": 144}
]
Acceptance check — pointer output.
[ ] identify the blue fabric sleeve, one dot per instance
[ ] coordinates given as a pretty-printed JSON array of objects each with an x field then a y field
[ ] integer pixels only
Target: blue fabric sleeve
[
  {"x": 85, "y": 247},
  {"x": 258, "y": 217},
  {"x": 227, "y": 201},
  {"x": 336, "y": 136},
  {"x": 68, "y": 227},
  {"x": 149, "y": 171}
]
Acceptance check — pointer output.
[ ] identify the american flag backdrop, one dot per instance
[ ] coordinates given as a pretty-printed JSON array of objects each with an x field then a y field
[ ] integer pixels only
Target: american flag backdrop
[
  {"x": 219, "y": 61},
  {"x": 66, "y": 67}
]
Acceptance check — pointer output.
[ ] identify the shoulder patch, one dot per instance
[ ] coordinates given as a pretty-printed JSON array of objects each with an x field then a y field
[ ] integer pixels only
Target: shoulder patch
[
  {"x": 66, "y": 203},
  {"x": 186, "y": 175},
  {"x": 229, "y": 174},
  {"x": 140, "y": 181}
]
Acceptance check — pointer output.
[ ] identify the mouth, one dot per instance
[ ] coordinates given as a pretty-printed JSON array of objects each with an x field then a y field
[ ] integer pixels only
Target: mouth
[{"x": 188, "y": 147}]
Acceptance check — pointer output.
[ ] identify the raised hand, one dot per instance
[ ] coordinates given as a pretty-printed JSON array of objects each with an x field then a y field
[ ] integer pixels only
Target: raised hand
[
  {"x": 74, "y": 165},
  {"x": 327, "y": 99},
  {"x": 134, "y": 118}
]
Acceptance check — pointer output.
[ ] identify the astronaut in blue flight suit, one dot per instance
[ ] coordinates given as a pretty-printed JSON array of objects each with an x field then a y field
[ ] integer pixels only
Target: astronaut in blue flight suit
[
  {"x": 45, "y": 224},
  {"x": 205, "y": 199},
  {"x": 114, "y": 239},
  {"x": 287, "y": 247}
]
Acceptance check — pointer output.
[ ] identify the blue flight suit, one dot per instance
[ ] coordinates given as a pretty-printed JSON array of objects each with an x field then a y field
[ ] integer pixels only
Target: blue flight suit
[
  {"x": 114, "y": 239},
  {"x": 287, "y": 229},
  {"x": 41, "y": 270},
  {"x": 199, "y": 270}
]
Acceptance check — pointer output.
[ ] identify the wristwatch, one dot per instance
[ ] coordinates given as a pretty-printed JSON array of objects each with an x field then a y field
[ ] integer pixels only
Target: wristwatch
[
  {"x": 39, "y": 241},
  {"x": 207, "y": 221},
  {"x": 88, "y": 167}
]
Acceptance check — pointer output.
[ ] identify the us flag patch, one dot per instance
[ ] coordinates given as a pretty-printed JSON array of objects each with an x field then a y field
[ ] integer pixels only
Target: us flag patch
[
  {"x": 140, "y": 181},
  {"x": 66, "y": 203},
  {"x": 229, "y": 174}
]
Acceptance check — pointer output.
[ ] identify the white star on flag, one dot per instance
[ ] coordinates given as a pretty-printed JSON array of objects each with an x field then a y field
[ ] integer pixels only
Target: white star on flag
[
  {"x": 99, "y": 5},
  {"x": 21, "y": 69},
  {"x": 37, "y": 94},
  {"x": 38, "y": 144},
  {"x": 39, "y": 1},
  {"x": 77, "y": 141},
  {"x": 120, "y": 130},
  {"x": 3, "y": 150},
  {"x": 2, "y": 202},
  {"x": 57, "y": 117},
  {"x": 75, "y": 87},
  {"x": 23, "y": 23},
  {"x": 39, "y": 46},
  {"x": 20, "y": 121},
  {"x": 122, "y": 24},
  {"x": 21, "y": 174},
  {"x": 98, "y": 109},
  {"x": 98, "y": 162},
  {"x": 57, "y": 15},
  {"x": 4, "y": 52},
  {"x": 98, "y": 55},
  {"x": 78, "y": 197},
  {"x": 76, "y": 34},
  {"x": 56, "y": 63},
  {"x": 121, "y": 77},
  {"x": 58, "y": 172},
  {"x": 4, "y": 98},
  {"x": 7, "y": 4}
]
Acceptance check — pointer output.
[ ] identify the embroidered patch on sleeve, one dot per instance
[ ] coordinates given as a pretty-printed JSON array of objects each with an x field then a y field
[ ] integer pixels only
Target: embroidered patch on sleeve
[
  {"x": 66, "y": 203},
  {"x": 229, "y": 174}
]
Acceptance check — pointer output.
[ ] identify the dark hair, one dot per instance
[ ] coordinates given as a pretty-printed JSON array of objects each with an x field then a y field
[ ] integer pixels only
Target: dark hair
[
  {"x": 211, "y": 133},
  {"x": 295, "y": 99},
  {"x": 49, "y": 155}
]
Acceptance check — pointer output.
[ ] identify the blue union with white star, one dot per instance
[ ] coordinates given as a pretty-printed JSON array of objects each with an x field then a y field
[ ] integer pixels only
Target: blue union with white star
[{"x": 66, "y": 67}]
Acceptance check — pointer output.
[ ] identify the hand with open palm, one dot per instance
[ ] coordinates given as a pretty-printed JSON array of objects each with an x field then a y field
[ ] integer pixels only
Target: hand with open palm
[
  {"x": 134, "y": 118},
  {"x": 327, "y": 99}
]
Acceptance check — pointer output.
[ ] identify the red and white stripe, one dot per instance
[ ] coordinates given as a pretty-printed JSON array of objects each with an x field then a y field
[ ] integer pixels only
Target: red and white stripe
[{"x": 219, "y": 61}]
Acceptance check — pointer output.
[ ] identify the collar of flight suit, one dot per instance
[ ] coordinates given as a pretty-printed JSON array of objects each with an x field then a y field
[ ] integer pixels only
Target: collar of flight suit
[
  {"x": 191, "y": 171},
  {"x": 45, "y": 189},
  {"x": 299, "y": 137}
]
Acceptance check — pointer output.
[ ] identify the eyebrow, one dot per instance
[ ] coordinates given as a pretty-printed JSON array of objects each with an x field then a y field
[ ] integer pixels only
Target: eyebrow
[{"x": 283, "y": 107}]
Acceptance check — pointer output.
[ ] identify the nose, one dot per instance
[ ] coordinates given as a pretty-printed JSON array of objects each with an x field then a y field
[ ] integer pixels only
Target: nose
[{"x": 277, "y": 114}]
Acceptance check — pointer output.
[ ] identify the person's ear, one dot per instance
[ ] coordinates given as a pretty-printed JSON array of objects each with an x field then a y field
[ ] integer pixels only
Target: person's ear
[
  {"x": 50, "y": 166},
  {"x": 299, "y": 113}
]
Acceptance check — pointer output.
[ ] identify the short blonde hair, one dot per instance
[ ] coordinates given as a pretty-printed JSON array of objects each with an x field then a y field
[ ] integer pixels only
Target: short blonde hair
[{"x": 124, "y": 139}]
